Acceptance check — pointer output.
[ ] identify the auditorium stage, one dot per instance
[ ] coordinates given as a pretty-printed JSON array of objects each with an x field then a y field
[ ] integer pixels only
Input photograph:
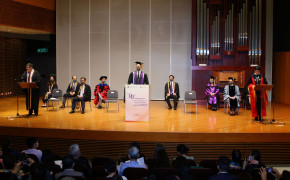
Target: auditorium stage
[{"x": 164, "y": 125}]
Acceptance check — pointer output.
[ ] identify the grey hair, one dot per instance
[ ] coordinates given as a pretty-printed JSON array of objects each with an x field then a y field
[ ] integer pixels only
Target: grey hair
[
  {"x": 133, "y": 153},
  {"x": 74, "y": 149}
]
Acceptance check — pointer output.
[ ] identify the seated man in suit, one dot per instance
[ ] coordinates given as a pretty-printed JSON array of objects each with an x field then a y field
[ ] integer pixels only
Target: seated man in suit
[
  {"x": 223, "y": 166},
  {"x": 71, "y": 91},
  {"x": 171, "y": 92},
  {"x": 232, "y": 95},
  {"x": 83, "y": 95}
]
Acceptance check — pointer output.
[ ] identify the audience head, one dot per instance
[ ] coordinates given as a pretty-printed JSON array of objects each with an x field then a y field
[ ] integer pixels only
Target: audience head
[
  {"x": 256, "y": 155},
  {"x": 159, "y": 147},
  {"x": 74, "y": 150},
  {"x": 182, "y": 149},
  {"x": 136, "y": 144},
  {"x": 32, "y": 143},
  {"x": 133, "y": 153},
  {"x": 285, "y": 175},
  {"x": 180, "y": 166},
  {"x": 29, "y": 67},
  {"x": 68, "y": 162},
  {"x": 223, "y": 163},
  {"x": 47, "y": 156},
  {"x": 110, "y": 166},
  {"x": 37, "y": 171},
  {"x": 6, "y": 144},
  {"x": 236, "y": 156},
  {"x": 9, "y": 160}
]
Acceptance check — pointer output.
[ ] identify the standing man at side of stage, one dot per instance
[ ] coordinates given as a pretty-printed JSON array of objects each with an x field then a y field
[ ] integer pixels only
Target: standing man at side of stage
[
  {"x": 83, "y": 95},
  {"x": 171, "y": 92},
  {"x": 71, "y": 91},
  {"x": 258, "y": 99},
  {"x": 101, "y": 91},
  {"x": 32, "y": 95},
  {"x": 138, "y": 76}
]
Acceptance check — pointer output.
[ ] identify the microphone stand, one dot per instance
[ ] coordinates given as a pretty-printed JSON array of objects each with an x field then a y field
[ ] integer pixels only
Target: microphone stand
[{"x": 17, "y": 101}]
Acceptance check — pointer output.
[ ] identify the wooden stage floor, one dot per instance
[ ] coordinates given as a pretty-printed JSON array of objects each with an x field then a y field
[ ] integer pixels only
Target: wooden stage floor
[{"x": 164, "y": 125}]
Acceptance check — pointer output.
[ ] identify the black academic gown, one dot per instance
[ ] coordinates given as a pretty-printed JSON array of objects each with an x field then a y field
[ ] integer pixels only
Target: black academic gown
[
  {"x": 76, "y": 90},
  {"x": 35, "y": 93},
  {"x": 145, "y": 80},
  {"x": 176, "y": 90},
  {"x": 47, "y": 90},
  {"x": 130, "y": 81},
  {"x": 87, "y": 94}
]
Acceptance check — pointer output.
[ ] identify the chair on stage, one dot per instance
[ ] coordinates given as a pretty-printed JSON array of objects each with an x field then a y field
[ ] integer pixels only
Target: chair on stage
[
  {"x": 190, "y": 98},
  {"x": 135, "y": 173},
  {"x": 56, "y": 96},
  {"x": 67, "y": 99},
  {"x": 112, "y": 97},
  {"x": 80, "y": 107}
]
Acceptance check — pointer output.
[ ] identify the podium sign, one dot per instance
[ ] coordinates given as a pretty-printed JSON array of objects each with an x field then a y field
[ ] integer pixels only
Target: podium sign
[{"x": 137, "y": 103}]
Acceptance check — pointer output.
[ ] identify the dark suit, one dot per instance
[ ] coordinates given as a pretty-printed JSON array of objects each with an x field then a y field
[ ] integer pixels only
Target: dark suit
[
  {"x": 86, "y": 97},
  {"x": 175, "y": 88},
  {"x": 69, "y": 89},
  {"x": 223, "y": 176},
  {"x": 35, "y": 93}
]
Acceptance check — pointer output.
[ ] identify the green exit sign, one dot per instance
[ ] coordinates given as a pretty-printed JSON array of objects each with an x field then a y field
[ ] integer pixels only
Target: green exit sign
[{"x": 42, "y": 50}]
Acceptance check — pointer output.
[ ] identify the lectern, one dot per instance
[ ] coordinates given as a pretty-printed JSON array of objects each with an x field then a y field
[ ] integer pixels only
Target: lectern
[{"x": 137, "y": 103}]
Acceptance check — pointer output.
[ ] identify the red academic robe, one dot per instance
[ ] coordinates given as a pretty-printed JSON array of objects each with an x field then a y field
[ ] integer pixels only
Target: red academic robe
[
  {"x": 253, "y": 99},
  {"x": 102, "y": 89}
]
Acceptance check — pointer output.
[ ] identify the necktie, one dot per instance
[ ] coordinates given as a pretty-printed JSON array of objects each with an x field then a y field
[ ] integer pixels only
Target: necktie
[
  {"x": 171, "y": 88},
  {"x": 29, "y": 76},
  {"x": 81, "y": 94}
]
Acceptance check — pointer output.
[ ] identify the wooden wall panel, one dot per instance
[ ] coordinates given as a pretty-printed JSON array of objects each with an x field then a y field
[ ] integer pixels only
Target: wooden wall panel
[
  {"x": 12, "y": 61},
  {"x": 274, "y": 153},
  {"x": 281, "y": 74},
  {"x": 22, "y": 15}
]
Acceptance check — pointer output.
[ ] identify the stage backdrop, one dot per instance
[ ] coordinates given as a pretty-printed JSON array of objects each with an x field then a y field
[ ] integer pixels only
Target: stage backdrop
[{"x": 106, "y": 37}]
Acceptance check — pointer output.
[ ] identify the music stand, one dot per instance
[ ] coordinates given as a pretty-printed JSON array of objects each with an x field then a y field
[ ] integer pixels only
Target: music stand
[{"x": 267, "y": 87}]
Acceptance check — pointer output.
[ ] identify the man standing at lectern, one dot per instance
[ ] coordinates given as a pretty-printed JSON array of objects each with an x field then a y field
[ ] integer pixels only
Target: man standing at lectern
[
  {"x": 138, "y": 76},
  {"x": 258, "y": 99},
  {"x": 171, "y": 92},
  {"x": 32, "y": 95}
]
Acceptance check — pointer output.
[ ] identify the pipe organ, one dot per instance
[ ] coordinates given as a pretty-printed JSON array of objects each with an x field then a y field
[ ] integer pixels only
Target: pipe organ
[{"x": 230, "y": 30}]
